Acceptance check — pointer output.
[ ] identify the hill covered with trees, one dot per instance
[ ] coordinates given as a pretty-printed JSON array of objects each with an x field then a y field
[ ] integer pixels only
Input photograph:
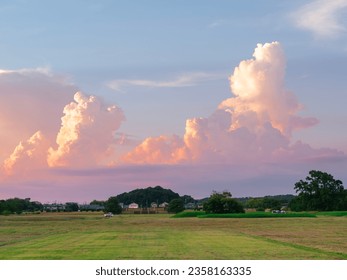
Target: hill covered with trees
[{"x": 144, "y": 197}]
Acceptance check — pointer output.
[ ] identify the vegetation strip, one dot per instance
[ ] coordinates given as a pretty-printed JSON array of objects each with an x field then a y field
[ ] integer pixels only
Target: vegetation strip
[
  {"x": 189, "y": 214},
  {"x": 202, "y": 214},
  {"x": 259, "y": 215},
  {"x": 332, "y": 213}
]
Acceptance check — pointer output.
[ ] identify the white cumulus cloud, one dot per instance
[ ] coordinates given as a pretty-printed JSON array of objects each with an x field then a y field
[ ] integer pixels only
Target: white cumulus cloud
[
  {"x": 86, "y": 133},
  {"x": 254, "y": 125}
]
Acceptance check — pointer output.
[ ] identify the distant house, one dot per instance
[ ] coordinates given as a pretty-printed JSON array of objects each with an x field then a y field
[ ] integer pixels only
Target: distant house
[
  {"x": 154, "y": 205},
  {"x": 54, "y": 207},
  {"x": 133, "y": 205},
  {"x": 163, "y": 205}
]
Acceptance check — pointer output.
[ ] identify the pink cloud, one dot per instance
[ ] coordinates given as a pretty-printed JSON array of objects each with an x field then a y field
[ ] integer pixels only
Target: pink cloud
[
  {"x": 258, "y": 88},
  {"x": 86, "y": 133},
  {"x": 28, "y": 155},
  {"x": 38, "y": 130},
  {"x": 163, "y": 149},
  {"x": 59, "y": 144},
  {"x": 254, "y": 125},
  {"x": 31, "y": 100}
]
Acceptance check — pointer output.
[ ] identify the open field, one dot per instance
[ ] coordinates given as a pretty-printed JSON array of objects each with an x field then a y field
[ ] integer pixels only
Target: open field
[{"x": 91, "y": 236}]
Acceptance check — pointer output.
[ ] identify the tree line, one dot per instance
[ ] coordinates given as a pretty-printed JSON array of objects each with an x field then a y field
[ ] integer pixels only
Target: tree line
[
  {"x": 18, "y": 206},
  {"x": 319, "y": 191}
]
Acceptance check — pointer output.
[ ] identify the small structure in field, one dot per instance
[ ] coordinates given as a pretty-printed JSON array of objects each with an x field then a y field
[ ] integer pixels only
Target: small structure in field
[
  {"x": 154, "y": 205},
  {"x": 278, "y": 212},
  {"x": 108, "y": 215}
]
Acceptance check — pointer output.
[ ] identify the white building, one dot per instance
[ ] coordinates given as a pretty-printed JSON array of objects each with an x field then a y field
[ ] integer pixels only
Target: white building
[
  {"x": 133, "y": 205},
  {"x": 164, "y": 204}
]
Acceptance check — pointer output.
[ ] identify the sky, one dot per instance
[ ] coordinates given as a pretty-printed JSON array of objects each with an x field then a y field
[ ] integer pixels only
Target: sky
[{"x": 102, "y": 97}]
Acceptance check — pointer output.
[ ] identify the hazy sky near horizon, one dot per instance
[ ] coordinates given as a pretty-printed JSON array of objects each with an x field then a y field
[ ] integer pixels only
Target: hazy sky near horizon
[{"x": 101, "y": 97}]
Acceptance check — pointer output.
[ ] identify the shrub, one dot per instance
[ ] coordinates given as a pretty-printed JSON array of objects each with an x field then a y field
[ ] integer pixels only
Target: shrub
[
  {"x": 219, "y": 203},
  {"x": 175, "y": 206}
]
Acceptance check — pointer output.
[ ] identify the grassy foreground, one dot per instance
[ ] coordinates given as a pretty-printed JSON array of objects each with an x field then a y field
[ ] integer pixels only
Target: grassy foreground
[{"x": 91, "y": 236}]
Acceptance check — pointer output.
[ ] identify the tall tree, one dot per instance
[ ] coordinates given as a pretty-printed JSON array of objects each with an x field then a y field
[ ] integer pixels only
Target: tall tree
[
  {"x": 321, "y": 192},
  {"x": 176, "y": 205},
  {"x": 112, "y": 205}
]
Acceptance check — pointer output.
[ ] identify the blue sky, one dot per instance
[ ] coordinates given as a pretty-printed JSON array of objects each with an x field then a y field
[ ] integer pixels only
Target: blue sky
[
  {"x": 163, "y": 62},
  {"x": 93, "y": 42}
]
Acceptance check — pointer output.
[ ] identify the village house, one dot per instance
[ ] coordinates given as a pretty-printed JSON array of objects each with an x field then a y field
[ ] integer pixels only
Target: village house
[
  {"x": 133, "y": 205},
  {"x": 54, "y": 207},
  {"x": 164, "y": 205}
]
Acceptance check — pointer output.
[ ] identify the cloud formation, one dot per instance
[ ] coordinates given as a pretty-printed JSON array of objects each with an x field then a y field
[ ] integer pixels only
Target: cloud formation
[
  {"x": 322, "y": 17},
  {"x": 260, "y": 95},
  {"x": 57, "y": 142},
  {"x": 186, "y": 80},
  {"x": 255, "y": 124},
  {"x": 38, "y": 130},
  {"x": 28, "y": 155},
  {"x": 31, "y": 100},
  {"x": 86, "y": 133}
]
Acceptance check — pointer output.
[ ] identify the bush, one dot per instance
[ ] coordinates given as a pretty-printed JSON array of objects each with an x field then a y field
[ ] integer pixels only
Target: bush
[
  {"x": 175, "y": 206},
  {"x": 220, "y": 203},
  {"x": 112, "y": 205}
]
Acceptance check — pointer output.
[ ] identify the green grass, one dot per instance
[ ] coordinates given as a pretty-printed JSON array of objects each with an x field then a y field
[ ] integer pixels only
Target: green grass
[
  {"x": 259, "y": 215},
  {"x": 189, "y": 214},
  {"x": 333, "y": 213},
  {"x": 91, "y": 236}
]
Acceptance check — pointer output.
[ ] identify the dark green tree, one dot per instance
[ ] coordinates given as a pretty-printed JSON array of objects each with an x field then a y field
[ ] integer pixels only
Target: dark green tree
[
  {"x": 271, "y": 203},
  {"x": 176, "y": 205},
  {"x": 219, "y": 203},
  {"x": 112, "y": 205},
  {"x": 17, "y": 205},
  {"x": 257, "y": 203},
  {"x": 98, "y": 202},
  {"x": 319, "y": 192},
  {"x": 71, "y": 207}
]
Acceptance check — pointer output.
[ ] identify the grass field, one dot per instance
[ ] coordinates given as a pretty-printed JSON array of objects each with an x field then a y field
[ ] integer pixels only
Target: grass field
[{"x": 91, "y": 236}]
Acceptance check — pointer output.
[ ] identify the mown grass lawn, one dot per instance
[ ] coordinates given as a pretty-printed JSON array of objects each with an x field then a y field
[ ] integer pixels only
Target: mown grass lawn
[{"x": 91, "y": 236}]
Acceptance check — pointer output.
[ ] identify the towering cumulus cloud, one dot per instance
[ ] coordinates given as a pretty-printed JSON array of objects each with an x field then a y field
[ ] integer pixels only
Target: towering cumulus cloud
[
  {"x": 31, "y": 100},
  {"x": 86, "y": 132},
  {"x": 85, "y": 138},
  {"x": 254, "y": 124},
  {"x": 260, "y": 95}
]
